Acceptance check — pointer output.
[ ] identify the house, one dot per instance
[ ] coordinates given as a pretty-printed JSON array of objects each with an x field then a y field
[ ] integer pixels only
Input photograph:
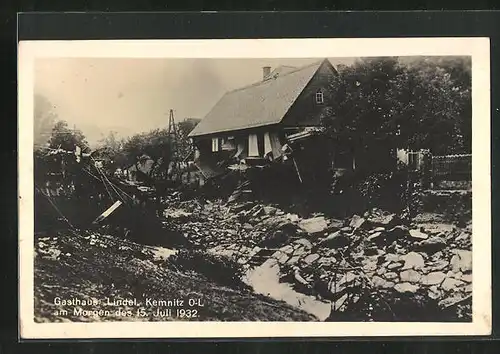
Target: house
[{"x": 257, "y": 123}]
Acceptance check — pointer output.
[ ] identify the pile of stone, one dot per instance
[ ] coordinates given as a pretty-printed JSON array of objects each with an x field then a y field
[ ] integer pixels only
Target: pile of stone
[{"x": 332, "y": 258}]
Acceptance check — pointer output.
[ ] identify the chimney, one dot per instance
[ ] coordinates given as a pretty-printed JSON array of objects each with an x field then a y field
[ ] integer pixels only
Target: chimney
[{"x": 266, "y": 70}]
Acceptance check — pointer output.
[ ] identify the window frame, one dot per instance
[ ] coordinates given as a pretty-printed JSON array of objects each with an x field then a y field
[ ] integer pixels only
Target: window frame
[{"x": 319, "y": 97}]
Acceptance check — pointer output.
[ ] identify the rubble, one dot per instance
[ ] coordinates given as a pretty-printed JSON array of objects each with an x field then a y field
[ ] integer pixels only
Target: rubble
[{"x": 332, "y": 258}]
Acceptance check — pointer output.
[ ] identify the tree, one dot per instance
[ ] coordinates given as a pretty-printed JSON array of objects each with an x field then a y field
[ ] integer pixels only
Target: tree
[
  {"x": 66, "y": 138},
  {"x": 383, "y": 102}
]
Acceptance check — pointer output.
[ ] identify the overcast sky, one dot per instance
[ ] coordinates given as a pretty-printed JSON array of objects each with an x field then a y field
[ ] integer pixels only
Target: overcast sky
[{"x": 135, "y": 95}]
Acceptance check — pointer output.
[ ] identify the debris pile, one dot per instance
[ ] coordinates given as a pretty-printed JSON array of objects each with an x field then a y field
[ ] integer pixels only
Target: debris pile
[{"x": 342, "y": 261}]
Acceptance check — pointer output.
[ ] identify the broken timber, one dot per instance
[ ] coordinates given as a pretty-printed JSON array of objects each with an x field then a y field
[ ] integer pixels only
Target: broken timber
[{"x": 107, "y": 212}]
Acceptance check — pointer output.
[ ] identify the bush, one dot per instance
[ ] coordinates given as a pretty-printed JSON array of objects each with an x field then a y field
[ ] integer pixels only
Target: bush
[
  {"x": 394, "y": 191},
  {"x": 220, "y": 269}
]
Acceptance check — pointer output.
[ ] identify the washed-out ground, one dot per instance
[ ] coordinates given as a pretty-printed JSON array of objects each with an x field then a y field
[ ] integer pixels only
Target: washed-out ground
[
  {"x": 370, "y": 267},
  {"x": 93, "y": 268}
]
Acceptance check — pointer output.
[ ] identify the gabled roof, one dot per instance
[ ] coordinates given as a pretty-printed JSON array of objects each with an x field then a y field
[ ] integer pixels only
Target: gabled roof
[{"x": 263, "y": 103}]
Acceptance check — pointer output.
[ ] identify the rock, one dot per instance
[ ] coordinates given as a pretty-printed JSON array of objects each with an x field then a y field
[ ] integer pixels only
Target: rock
[
  {"x": 269, "y": 210},
  {"x": 347, "y": 278},
  {"x": 410, "y": 275},
  {"x": 431, "y": 245},
  {"x": 450, "y": 284},
  {"x": 282, "y": 258},
  {"x": 381, "y": 271},
  {"x": 304, "y": 242},
  {"x": 356, "y": 222},
  {"x": 418, "y": 234},
  {"x": 391, "y": 276},
  {"x": 461, "y": 261},
  {"x": 379, "y": 282},
  {"x": 436, "y": 229},
  {"x": 335, "y": 224},
  {"x": 434, "y": 292},
  {"x": 406, "y": 288},
  {"x": 288, "y": 249},
  {"x": 346, "y": 229},
  {"x": 393, "y": 266},
  {"x": 466, "y": 278},
  {"x": 381, "y": 219},
  {"x": 311, "y": 258},
  {"x": 369, "y": 265},
  {"x": 299, "y": 278},
  {"x": 439, "y": 265},
  {"x": 336, "y": 239},
  {"x": 313, "y": 225},
  {"x": 377, "y": 229},
  {"x": 326, "y": 261},
  {"x": 293, "y": 260},
  {"x": 433, "y": 278},
  {"x": 413, "y": 260},
  {"x": 455, "y": 298},
  {"x": 374, "y": 236}
]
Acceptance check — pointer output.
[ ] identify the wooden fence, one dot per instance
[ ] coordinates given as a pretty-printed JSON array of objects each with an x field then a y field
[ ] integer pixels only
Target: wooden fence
[{"x": 452, "y": 167}]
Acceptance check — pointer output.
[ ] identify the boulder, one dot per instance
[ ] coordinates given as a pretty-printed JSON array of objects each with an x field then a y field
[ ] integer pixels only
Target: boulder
[
  {"x": 413, "y": 260},
  {"x": 288, "y": 249},
  {"x": 439, "y": 265},
  {"x": 293, "y": 260},
  {"x": 374, "y": 236},
  {"x": 431, "y": 245},
  {"x": 433, "y": 278},
  {"x": 406, "y": 288},
  {"x": 313, "y": 225},
  {"x": 356, "y": 222},
  {"x": 461, "y": 261},
  {"x": 451, "y": 284},
  {"x": 391, "y": 275},
  {"x": 417, "y": 234},
  {"x": 379, "y": 282},
  {"x": 309, "y": 259},
  {"x": 393, "y": 266},
  {"x": 269, "y": 210},
  {"x": 466, "y": 278},
  {"x": 304, "y": 242},
  {"x": 434, "y": 292},
  {"x": 382, "y": 219},
  {"x": 410, "y": 275},
  {"x": 335, "y": 224}
]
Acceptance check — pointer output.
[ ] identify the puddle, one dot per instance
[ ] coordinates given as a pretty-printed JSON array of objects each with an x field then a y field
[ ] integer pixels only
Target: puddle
[{"x": 265, "y": 280}]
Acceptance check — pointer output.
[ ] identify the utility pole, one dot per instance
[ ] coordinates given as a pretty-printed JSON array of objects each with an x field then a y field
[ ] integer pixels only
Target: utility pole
[{"x": 172, "y": 134}]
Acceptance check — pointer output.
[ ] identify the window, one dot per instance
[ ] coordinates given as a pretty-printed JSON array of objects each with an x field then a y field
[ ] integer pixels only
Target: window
[
  {"x": 215, "y": 144},
  {"x": 319, "y": 97}
]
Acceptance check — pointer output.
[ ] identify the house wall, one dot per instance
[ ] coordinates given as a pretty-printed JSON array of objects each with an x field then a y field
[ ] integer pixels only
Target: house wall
[
  {"x": 241, "y": 139},
  {"x": 305, "y": 111}
]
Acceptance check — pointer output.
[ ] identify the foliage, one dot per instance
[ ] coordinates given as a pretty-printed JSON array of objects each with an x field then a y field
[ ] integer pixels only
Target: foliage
[
  {"x": 220, "y": 269},
  {"x": 390, "y": 102},
  {"x": 63, "y": 164},
  {"x": 155, "y": 145},
  {"x": 66, "y": 138}
]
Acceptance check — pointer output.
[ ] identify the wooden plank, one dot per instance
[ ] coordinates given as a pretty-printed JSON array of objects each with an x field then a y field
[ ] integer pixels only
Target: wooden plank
[{"x": 107, "y": 212}]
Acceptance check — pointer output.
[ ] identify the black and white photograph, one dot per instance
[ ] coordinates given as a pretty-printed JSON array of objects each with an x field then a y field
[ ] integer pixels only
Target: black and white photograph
[{"x": 333, "y": 187}]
